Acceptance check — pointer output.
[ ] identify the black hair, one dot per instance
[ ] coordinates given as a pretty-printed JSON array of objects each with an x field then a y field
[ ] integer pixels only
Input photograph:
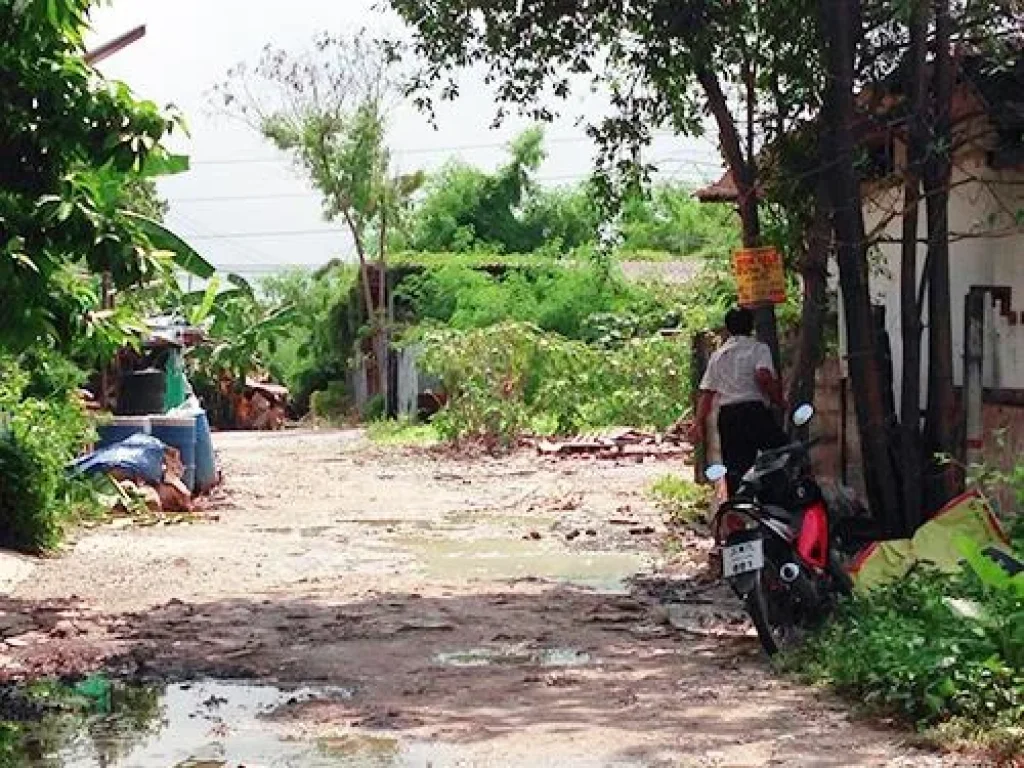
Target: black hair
[{"x": 739, "y": 321}]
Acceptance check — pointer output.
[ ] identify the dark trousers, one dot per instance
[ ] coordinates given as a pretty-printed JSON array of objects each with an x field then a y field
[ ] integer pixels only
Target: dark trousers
[{"x": 744, "y": 429}]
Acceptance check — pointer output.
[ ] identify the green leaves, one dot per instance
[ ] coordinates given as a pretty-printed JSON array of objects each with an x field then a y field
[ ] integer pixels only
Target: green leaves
[
  {"x": 162, "y": 163},
  {"x": 932, "y": 648},
  {"x": 510, "y": 379},
  {"x": 72, "y": 148},
  {"x": 185, "y": 257},
  {"x": 326, "y": 108}
]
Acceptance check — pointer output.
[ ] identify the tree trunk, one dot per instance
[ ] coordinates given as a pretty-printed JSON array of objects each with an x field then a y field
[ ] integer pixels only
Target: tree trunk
[
  {"x": 940, "y": 420},
  {"x": 814, "y": 271},
  {"x": 911, "y": 447},
  {"x": 744, "y": 173},
  {"x": 840, "y": 20}
]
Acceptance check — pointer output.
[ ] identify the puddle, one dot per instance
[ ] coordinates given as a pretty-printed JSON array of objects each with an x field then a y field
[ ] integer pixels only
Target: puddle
[
  {"x": 514, "y": 655},
  {"x": 306, "y": 533},
  {"x": 471, "y": 518},
  {"x": 189, "y": 725},
  {"x": 363, "y": 750},
  {"x": 221, "y": 724},
  {"x": 502, "y": 559}
]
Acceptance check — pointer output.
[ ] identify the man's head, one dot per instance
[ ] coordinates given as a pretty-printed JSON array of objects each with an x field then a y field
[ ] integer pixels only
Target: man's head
[{"x": 739, "y": 321}]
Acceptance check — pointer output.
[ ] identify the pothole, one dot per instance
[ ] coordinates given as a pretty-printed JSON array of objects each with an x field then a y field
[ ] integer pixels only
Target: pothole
[
  {"x": 513, "y": 655},
  {"x": 505, "y": 559}
]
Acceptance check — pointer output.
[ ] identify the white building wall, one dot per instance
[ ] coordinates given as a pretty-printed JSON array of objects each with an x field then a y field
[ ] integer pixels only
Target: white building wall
[{"x": 987, "y": 249}]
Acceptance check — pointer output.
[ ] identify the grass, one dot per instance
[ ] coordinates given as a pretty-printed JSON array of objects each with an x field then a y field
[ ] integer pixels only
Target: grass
[
  {"x": 682, "y": 500},
  {"x": 401, "y": 432}
]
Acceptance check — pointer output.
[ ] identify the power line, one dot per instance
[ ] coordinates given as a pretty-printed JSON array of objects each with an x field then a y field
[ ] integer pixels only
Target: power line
[
  {"x": 676, "y": 159},
  {"x": 418, "y": 150},
  {"x": 280, "y": 233}
]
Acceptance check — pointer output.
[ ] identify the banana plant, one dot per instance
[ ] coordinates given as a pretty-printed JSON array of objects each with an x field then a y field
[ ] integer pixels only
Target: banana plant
[{"x": 242, "y": 329}]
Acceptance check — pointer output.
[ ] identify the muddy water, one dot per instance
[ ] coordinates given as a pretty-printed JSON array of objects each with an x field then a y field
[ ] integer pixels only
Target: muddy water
[
  {"x": 213, "y": 724},
  {"x": 499, "y": 559}
]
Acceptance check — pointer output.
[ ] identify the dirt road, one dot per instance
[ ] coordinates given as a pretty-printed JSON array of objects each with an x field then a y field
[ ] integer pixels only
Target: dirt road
[{"x": 475, "y": 611}]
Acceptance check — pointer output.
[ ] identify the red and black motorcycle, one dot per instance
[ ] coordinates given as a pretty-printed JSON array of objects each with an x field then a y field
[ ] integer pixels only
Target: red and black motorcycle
[{"x": 779, "y": 551}]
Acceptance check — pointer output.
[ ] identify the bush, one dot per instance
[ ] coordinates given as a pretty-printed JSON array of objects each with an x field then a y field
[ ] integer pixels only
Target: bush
[
  {"x": 581, "y": 302},
  {"x": 312, "y": 350},
  {"x": 510, "y": 379},
  {"x": 940, "y": 650},
  {"x": 41, "y": 435},
  {"x": 330, "y": 404},
  {"x": 28, "y": 490}
]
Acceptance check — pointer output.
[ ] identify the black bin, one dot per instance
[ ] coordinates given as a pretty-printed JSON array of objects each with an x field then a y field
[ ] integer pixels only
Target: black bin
[{"x": 142, "y": 392}]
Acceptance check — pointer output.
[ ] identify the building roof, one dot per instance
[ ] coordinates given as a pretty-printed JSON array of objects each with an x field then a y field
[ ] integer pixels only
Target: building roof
[
  {"x": 674, "y": 272},
  {"x": 722, "y": 191},
  {"x": 1000, "y": 90}
]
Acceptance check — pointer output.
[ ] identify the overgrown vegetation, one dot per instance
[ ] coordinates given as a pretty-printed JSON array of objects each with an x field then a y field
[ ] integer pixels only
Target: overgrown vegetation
[
  {"x": 42, "y": 427},
  {"x": 556, "y": 298},
  {"x": 481, "y": 249},
  {"x": 945, "y": 652},
  {"x": 79, "y": 224},
  {"x": 512, "y": 379}
]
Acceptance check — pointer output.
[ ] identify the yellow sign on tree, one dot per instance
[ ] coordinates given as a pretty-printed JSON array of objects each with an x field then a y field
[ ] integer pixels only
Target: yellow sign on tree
[{"x": 760, "y": 278}]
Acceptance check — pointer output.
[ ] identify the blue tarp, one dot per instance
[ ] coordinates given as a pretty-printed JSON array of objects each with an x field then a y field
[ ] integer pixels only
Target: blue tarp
[{"x": 139, "y": 455}]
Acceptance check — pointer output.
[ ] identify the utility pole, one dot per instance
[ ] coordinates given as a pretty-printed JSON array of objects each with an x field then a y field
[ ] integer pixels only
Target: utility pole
[{"x": 108, "y": 49}]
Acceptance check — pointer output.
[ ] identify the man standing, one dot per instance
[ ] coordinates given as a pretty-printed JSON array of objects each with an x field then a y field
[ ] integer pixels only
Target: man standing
[{"x": 742, "y": 377}]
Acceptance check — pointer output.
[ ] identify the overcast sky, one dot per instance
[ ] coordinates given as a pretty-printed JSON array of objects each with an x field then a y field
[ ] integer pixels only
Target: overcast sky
[{"x": 240, "y": 191}]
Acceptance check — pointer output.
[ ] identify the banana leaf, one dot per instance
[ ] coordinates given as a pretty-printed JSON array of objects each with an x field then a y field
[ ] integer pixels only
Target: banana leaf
[{"x": 184, "y": 255}]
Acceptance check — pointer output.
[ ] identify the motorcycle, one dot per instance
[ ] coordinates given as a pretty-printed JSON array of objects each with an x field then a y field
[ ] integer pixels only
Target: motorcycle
[{"x": 779, "y": 550}]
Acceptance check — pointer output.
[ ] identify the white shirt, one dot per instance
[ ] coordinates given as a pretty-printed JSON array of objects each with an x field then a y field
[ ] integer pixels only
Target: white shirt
[{"x": 732, "y": 371}]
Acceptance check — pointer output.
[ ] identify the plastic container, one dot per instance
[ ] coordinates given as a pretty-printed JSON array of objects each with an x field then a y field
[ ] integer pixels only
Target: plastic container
[
  {"x": 142, "y": 392},
  {"x": 176, "y": 384},
  {"x": 179, "y": 432},
  {"x": 122, "y": 428},
  {"x": 206, "y": 463}
]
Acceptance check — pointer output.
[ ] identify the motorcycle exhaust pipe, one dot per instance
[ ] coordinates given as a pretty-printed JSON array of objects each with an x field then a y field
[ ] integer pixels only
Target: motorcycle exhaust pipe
[{"x": 789, "y": 572}]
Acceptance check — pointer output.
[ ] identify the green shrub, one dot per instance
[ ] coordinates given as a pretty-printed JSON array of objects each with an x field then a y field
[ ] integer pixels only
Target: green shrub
[
  {"x": 937, "y": 649},
  {"x": 374, "y": 408},
  {"x": 311, "y": 351},
  {"x": 510, "y": 379},
  {"x": 28, "y": 492},
  {"x": 40, "y": 435},
  {"x": 331, "y": 403}
]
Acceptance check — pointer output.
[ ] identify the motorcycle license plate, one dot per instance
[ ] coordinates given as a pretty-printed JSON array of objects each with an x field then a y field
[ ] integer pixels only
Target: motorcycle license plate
[{"x": 742, "y": 558}]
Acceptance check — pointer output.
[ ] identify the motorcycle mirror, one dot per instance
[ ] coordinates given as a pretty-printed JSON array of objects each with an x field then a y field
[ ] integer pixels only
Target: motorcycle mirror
[
  {"x": 803, "y": 415},
  {"x": 715, "y": 472}
]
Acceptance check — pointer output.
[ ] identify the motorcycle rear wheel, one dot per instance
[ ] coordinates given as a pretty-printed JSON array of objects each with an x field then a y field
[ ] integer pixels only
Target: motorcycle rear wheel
[{"x": 772, "y": 607}]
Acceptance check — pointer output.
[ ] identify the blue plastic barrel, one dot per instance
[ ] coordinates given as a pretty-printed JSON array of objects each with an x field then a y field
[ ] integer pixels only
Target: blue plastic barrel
[
  {"x": 122, "y": 428},
  {"x": 206, "y": 463},
  {"x": 179, "y": 432}
]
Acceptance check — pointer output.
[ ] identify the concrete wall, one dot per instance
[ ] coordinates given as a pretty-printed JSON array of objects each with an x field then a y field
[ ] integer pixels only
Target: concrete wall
[
  {"x": 1004, "y": 445},
  {"x": 987, "y": 248},
  {"x": 408, "y": 380},
  {"x": 357, "y": 385}
]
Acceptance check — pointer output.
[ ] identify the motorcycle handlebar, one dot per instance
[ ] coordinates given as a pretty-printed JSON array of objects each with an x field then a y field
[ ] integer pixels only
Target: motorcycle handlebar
[{"x": 794, "y": 447}]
